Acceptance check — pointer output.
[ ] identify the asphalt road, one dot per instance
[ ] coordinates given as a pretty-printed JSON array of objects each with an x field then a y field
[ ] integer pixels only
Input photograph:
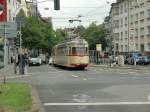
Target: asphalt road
[{"x": 93, "y": 90}]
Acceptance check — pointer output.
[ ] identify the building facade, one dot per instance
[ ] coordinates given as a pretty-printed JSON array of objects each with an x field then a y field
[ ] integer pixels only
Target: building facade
[{"x": 130, "y": 26}]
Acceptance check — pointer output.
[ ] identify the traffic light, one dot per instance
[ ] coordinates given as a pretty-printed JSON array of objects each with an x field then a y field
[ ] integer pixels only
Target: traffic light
[
  {"x": 56, "y": 4},
  {"x": 16, "y": 42}
]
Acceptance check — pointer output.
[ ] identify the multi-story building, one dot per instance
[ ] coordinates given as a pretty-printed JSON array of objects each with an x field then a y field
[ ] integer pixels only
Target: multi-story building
[
  {"x": 108, "y": 37},
  {"x": 32, "y": 8},
  {"x": 8, "y": 13},
  {"x": 11, "y": 9},
  {"x": 130, "y": 26}
]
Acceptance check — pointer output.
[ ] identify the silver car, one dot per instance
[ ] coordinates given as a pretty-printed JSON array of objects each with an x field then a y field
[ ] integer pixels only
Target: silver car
[{"x": 35, "y": 61}]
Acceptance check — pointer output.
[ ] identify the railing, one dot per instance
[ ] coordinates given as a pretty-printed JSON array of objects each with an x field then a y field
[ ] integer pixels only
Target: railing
[{"x": 97, "y": 58}]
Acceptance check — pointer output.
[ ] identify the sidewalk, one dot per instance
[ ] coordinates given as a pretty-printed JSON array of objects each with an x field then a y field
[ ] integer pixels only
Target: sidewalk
[{"x": 8, "y": 72}]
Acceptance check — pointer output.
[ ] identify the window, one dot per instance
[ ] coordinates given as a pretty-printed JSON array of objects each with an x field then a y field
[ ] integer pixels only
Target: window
[
  {"x": 148, "y": 46},
  {"x": 148, "y": 12},
  {"x": 125, "y": 7},
  {"x": 126, "y": 34},
  {"x": 121, "y": 23},
  {"x": 121, "y": 35},
  {"x": 136, "y": 32},
  {"x": 121, "y": 9},
  {"x": 116, "y": 11},
  {"x": 148, "y": 29},
  {"x": 116, "y": 24},
  {"x": 126, "y": 48},
  {"x": 142, "y": 15},
  {"x": 142, "y": 31},
  {"x": 131, "y": 18},
  {"x": 136, "y": 17},
  {"x": 121, "y": 48},
  {"x": 142, "y": 21},
  {"x": 79, "y": 50},
  {"x": 126, "y": 20},
  {"x": 116, "y": 36},
  {"x": 10, "y": 15},
  {"x": 136, "y": 46}
]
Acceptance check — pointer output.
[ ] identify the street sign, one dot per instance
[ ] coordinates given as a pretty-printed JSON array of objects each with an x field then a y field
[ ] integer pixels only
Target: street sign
[
  {"x": 8, "y": 25},
  {"x": 99, "y": 47},
  {"x": 8, "y": 29}
]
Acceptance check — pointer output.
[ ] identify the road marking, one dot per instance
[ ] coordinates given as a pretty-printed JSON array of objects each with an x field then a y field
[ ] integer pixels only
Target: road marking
[
  {"x": 147, "y": 73},
  {"x": 84, "y": 79},
  {"x": 132, "y": 72},
  {"x": 51, "y": 91},
  {"x": 96, "y": 104},
  {"x": 75, "y": 76},
  {"x": 13, "y": 77},
  {"x": 123, "y": 73}
]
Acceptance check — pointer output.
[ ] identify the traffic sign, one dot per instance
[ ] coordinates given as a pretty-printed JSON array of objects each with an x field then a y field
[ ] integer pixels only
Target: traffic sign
[
  {"x": 8, "y": 29},
  {"x": 99, "y": 47},
  {"x": 8, "y": 25}
]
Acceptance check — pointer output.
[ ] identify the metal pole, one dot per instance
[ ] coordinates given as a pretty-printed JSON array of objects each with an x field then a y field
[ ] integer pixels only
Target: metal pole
[
  {"x": 5, "y": 46},
  {"x": 36, "y": 8},
  {"x": 5, "y": 52},
  {"x": 128, "y": 25},
  {"x": 20, "y": 54}
]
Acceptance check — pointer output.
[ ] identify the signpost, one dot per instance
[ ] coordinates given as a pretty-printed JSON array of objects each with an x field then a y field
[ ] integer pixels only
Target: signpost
[
  {"x": 99, "y": 47},
  {"x": 7, "y": 30}
]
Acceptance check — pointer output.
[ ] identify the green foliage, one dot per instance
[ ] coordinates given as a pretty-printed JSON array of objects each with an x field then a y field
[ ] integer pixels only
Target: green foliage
[
  {"x": 40, "y": 35},
  {"x": 21, "y": 14},
  {"x": 95, "y": 34}
]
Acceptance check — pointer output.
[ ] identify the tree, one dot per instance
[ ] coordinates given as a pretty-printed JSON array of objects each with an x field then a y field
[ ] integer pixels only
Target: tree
[
  {"x": 95, "y": 34},
  {"x": 38, "y": 34}
]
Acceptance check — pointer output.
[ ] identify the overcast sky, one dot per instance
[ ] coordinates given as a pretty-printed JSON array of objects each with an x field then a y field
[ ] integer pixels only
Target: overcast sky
[{"x": 89, "y": 10}]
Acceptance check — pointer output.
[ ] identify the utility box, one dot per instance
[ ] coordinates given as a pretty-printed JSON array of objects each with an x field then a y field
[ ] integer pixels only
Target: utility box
[{"x": 121, "y": 60}]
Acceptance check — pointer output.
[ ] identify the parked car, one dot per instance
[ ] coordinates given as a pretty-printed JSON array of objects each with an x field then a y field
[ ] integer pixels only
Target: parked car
[
  {"x": 35, "y": 61},
  {"x": 43, "y": 58},
  {"x": 50, "y": 62},
  {"x": 132, "y": 57},
  {"x": 144, "y": 60}
]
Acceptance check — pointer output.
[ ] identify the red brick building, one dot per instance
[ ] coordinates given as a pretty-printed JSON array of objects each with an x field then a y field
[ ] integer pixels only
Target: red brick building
[{"x": 3, "y": 14}]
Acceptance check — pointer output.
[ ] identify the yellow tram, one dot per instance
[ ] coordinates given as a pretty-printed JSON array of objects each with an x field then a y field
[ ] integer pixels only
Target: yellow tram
[{"x": 74, "y": 54}]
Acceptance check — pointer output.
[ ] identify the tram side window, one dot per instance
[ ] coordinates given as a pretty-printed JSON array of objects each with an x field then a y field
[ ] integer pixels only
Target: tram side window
[{"x": 73, "y": 50}]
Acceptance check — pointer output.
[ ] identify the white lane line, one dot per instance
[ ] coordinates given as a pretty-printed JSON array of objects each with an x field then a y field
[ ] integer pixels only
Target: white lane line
[
  {"x": 123, "y": 73},
  {"x": 84, "y": 79},
  {"x": 97, "y": 104},
  {"x": 74, "y": 76},
  {"x": 132, "y": 72}
]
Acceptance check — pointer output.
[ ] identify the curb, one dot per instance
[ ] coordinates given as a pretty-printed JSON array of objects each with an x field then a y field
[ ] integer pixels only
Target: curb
[
  {"x": 116, "y": 67},
  {"x": 12, "y": 76},
  {"x": 37, "y": 104}
]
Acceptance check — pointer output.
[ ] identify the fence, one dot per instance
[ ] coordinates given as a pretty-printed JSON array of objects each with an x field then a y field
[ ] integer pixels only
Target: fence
[{"x": 97, "y": 57}]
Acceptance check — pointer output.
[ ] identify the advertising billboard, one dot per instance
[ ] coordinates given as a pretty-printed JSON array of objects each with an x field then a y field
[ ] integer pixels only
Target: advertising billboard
[{"x": 3, "y": 10}]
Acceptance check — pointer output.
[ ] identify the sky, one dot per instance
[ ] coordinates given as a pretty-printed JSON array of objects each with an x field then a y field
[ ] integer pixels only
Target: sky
[{"x": 88, "y": 10}]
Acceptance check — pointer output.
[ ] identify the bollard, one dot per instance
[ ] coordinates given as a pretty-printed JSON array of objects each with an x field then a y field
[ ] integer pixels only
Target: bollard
[
  {"x": 4, "y": 79},
  {"x": 134, "y": 62}
]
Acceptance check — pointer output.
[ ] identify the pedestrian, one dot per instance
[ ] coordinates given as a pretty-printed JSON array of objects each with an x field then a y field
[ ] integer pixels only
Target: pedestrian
[{"x": 22, "y": 62}]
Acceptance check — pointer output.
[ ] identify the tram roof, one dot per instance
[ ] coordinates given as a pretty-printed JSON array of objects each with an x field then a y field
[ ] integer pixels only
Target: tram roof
[{"x": 73, "y": 42}]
